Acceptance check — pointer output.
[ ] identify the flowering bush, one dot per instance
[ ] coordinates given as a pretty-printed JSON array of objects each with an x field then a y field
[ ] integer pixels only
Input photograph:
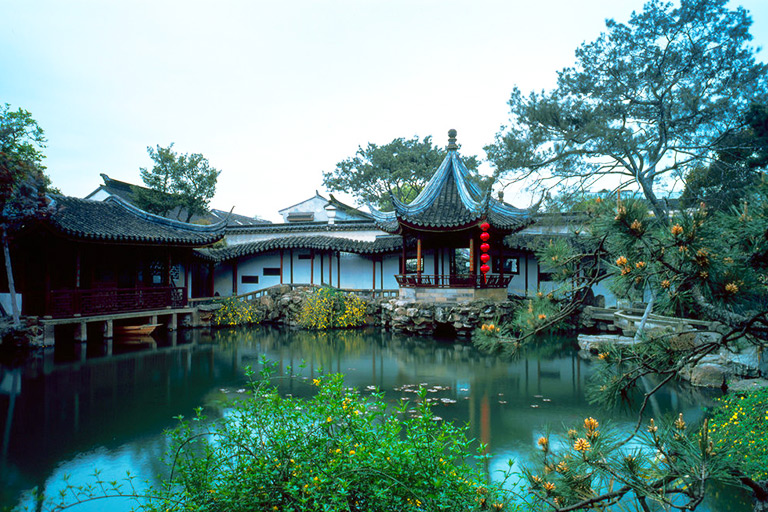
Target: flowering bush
[
  {"x": 328, "y": 308},
  {"x": 739, "y": 424},
  {"x": 335, "y": 451},
  {"x": 236, "y": 312}
]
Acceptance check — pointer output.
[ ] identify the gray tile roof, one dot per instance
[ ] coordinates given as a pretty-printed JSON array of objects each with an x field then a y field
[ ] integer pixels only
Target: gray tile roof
[
  {"x": 381, "y": 245},
  {"x": 115, "y": 221}
]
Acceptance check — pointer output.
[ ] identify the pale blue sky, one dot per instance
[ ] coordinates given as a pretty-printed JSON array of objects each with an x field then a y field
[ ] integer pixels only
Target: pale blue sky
[{"x": 273, "y": 93}]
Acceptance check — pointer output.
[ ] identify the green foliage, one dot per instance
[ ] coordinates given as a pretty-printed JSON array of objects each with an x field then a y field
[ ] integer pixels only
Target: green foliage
[
  {"x": 329, "y": 308},
  {"x": 648, "y": 100},
  {"x": 234, "y": 312},
  {"x": 335, "y": 451},
  {"x": 402, "y": 166},
  {"x": 739, "y": 427},
  {"x": 184, "y": 183}
]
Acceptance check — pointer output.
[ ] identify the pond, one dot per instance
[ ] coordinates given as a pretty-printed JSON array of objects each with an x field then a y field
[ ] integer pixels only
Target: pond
[{"x": 78, "y": 410}]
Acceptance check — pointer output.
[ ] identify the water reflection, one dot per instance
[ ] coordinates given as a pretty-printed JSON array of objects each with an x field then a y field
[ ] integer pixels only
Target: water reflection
[{"x": 96, "y": 406}]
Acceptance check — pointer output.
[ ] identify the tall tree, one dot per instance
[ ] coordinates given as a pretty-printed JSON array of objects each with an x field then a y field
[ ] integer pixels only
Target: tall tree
[
  {"x": 402, "y": 166},
  {"x": 22, "y": 182},
  {"x": 186, "y": 182},
  {"x": 646, "y": 101},
  {"x": 736, "y": 171}
]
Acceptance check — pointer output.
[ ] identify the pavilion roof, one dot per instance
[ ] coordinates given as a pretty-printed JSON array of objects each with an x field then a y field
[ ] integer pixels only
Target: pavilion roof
[
  {"x": 117, "y": 221},
  {"x": 451, "y": 200}
]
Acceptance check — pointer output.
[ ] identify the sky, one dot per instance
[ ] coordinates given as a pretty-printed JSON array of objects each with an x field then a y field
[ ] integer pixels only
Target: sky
[{"x": 274, "y": 93}]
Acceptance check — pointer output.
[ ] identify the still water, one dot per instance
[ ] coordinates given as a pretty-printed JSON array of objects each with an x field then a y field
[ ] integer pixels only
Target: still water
[{"x": 79, "y": 409}]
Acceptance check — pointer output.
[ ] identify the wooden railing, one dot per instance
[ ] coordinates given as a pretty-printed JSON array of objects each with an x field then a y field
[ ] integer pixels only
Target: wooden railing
[
  {"x": 103, "y": 301},
  {"x": 452, "y": 281}
]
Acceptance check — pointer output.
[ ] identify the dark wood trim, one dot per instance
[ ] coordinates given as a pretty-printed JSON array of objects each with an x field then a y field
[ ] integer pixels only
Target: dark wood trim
[
  {"x": 472, "y": 256},
  {"x": 338, "y": 270},
  {"x": 281, "y": 266},
  {"x": 311, "y": 266},
  {"x": 291, "y": 256}
]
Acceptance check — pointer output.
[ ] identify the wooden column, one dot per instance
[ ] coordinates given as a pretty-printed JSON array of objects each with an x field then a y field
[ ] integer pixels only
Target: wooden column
[
  {"x": 311, "y": 266},
  {"x": 403, "y": 258},
  {"x": 167, "y": 271},
  {"x": 472, "y": 256},
  {"x": 281, "y": 266},
  {"x": 418, "y": 260},
  {"x": 374, "y": 273},
  {"x": 322, "y": 269},
  {"x": 338, "y": 270},
  {"x": 290, "y": 254},
  {"x": 78, "y": 257},
  {"x": 234, "y": 277},
  {"x": 330, "y": 268},
  {"x": 211, "y": 284}
]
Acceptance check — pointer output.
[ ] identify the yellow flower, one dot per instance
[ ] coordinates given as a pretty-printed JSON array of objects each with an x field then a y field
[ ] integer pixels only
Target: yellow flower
[
  {"x": 640, "y": 264},
  {"x": 621, "y": 261},
  {"x": 544, "y": 443},
  {"x": 542, "y": 317},
  {"x": 549, "y": 486},
  {"x": 316, "y": 382},
  {"x": 665, "y": 284},
  {"x": 636, "y": 226},
  {"x": 581, "y": 445},
  {"x": 677, "y": 229},
  {"x": 732, "y": 288},
  {"x": 591, "y": 423}
]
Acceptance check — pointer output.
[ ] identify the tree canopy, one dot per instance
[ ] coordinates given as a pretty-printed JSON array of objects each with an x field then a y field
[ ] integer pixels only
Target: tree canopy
[
  {"x": 736, "y": 170},
  {"x": 648, "y": 100},
  {"x": 22, "y": 181},
  {"x": 402, "y": 166},
  {"x": 178, "y": 184}
]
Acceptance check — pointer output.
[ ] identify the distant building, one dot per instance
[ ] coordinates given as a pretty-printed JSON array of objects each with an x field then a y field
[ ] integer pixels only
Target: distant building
[{"x": 128, "y": 191}]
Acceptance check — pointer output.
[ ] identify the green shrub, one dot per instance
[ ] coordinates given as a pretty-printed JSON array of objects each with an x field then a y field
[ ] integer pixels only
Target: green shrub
[
  {"x": 739, "y": 425},
  {"x": 236, "y": 312},
  {"x": 328, "y": 308},
  {"x": 336, "y": 451}
]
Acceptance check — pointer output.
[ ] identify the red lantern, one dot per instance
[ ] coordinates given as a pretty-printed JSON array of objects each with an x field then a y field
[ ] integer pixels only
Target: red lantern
[
  {"x": 484, "y": 268},
  {"x": 485, "y": 247},
  {"x": 485, "y": 257},
  {"x": 485, "y": 226},
  {"x": 485, "y": 237}
]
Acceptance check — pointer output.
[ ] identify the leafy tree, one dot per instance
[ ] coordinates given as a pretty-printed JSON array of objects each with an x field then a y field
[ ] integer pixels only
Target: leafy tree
[
  {"x": 184, "y": 182},
  {"x": 648, "y": 100},
  {"x": 22, "y": 182},
  {"x": 736, "y": 170},
  {"x": 402, "y": 166}
]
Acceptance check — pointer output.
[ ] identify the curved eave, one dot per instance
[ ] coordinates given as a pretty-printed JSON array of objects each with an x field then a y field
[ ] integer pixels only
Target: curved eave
[{"x": 326, "y": 243}]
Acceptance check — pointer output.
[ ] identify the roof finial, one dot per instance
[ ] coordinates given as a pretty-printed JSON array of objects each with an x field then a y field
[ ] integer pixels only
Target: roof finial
[{"x": 452, "y": 140}]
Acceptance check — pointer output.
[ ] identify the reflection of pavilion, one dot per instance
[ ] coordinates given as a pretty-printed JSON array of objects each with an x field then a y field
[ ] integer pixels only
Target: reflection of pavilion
[{"x": 450, "y": 250}]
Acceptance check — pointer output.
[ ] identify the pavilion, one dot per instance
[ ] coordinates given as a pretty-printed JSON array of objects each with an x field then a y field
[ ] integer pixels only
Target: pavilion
[{"x": 457, "y": 232}]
